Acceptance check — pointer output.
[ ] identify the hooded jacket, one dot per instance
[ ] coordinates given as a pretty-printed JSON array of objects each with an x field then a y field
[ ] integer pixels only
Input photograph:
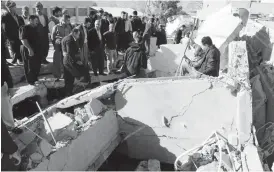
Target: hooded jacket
[{"x": 134, "y": 58}]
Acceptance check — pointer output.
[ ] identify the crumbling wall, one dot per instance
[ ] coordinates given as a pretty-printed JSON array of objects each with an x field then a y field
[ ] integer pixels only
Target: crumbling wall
[{"x": 172, "y": 115}]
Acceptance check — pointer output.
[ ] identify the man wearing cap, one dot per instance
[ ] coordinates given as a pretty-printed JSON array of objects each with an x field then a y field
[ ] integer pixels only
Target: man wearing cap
[
  {"x": 43, "y": 30},
  {"x": 10, "y": 25},
  {"x": 54, "y": 19},
  {"x": 25, "y": 15}
]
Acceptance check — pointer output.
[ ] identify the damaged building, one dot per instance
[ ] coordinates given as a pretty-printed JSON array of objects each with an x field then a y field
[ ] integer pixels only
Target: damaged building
[{"x": 166, "y": 121}]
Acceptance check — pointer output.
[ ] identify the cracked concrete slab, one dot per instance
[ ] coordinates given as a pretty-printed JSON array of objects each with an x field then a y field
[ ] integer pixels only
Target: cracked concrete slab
[{"x": 193, "y": 104}]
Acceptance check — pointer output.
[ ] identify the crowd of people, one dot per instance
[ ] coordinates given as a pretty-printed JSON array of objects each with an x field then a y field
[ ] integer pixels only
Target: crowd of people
[{"x": 78, "y": 48}]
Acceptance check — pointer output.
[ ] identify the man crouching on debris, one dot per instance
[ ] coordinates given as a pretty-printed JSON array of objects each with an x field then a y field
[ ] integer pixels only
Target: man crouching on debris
[
  {"x": 73, "y": 66},
  {"x": 211, "y": 63},
  {"x": 135, "y": 59}
]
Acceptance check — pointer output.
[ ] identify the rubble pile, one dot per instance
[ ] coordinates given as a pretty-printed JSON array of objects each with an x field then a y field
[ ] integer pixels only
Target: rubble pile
[
  {"x": 37, "y": 145},
  {"x": 214, "y": 155}
]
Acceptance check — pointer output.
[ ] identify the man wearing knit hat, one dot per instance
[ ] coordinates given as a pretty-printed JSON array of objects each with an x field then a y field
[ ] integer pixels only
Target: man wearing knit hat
[
  {"x": 11, "y": 25},
  {"x": 43, "y": 30}
]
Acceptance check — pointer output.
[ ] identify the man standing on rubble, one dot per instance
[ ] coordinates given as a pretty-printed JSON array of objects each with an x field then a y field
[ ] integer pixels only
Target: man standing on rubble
[
  {"x": 211, "y": 63},
  {"x": 31, "y": 49}
]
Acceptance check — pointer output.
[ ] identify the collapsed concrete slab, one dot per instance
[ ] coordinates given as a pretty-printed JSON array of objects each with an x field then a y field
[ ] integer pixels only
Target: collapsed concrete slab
[{"x": 174, "y": 114}]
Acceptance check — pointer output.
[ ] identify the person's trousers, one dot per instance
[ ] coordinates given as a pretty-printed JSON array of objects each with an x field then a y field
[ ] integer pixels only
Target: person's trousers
[
  {"x": 6, "y": 110},
  {"x": 45, "y": 48},
  {"x": 72, "y": 71},
  {"x": 97, "y": 60},
  {"x": 15, "y": 50},
  {"x": 58, "y": 67},
  {"x": 85, "y": 55},
  {"x": 32, "y": 65},
  {"x": 147, "y": 43},
  {"x": 111, "y": 58}
]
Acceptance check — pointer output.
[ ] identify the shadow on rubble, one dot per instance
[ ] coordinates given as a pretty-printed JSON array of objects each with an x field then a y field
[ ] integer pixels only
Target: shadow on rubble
[
  {"x": 141, "y": 144},
  {"x": 167, "y": 61},
  {"x": 259, "y": 47}
]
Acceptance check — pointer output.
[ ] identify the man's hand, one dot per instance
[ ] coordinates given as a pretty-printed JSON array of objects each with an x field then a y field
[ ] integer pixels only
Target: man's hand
[
  {"x": 16, "y": 155},
  {"x": 31, "y": 53},
  {"x": 79, "y": 63}
]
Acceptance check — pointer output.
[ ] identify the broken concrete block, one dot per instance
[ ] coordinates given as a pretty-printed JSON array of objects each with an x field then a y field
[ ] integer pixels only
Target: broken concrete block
[
  {"x": 27, "y": 137},
  {"x": 143, "y": 166},
  {"x": 225, "y": 160},
  {"x": 58, "y": 122},
  {"x": 36, "y": 157},
  {"x": 94, "y": 107},
  {"x": 233, "y": 139},
  {"x": 154, "y": 165},
  {"x": 43, "y": 166},
  {"x": 81, "y": 115},
  {"x": 58, "y": 159},
  {"x": 209, "y": 167},
  {"x": 45, "y": 147}
]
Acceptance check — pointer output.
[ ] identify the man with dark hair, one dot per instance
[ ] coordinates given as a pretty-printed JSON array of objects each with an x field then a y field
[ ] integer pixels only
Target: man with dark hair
[
  {"x": 161, "y": 36},
  {"x": 43, "y": 30},
  {"x": 180, "y": 34},
  {"x": 135, "y": 58},
  {"x": 110, "y": 19},
  {"x": 10, "y": 25},
  {"x": 31, "y": 49},
  {"x": 100, "y": 13},
  {"x": 73, "y": 66},
  {"x": 96, "y": 49},
  {"x": 54, "y": 19},
  {"x": 211, "y": 63},
  {"x": 59, "y": 31},
  {"x": 120, "y": 31},
  {"x": 144, "y": 22},
  {"x": 83, "y": 41},
  {"x": 149, "y": 31},
  {"x": 136, "y": 22},
  {"x": 104, "y": 23},
  {"x": 93, "y": 17}
]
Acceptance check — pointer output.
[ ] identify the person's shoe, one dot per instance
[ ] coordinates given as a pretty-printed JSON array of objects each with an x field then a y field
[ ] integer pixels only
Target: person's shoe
[
  {"x": 103, "y": 74},
  {"x": 45, "y": 62},
  {"x": 17, "y": 130}
]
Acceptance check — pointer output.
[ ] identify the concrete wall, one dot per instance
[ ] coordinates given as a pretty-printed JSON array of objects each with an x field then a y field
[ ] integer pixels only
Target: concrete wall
[{"x": 194, "y": 108}]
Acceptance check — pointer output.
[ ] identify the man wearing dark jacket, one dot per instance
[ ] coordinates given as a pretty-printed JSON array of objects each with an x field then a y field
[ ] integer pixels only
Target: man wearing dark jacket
[
  {"x": 96, "y": 49},
  {"x": 93, "y": 17},
  {"x": 104, "y": 23},
  {"x": 11, "y": 23},
  {"x": 135, "y": 58},
  {"x": 43, "y": 30},
  {"x": 10, "y": 157},
  {"x": 73, "y": 66},
  {"x": 161, "y": 36},
  {"x": 180, "y": 34},
  {"x": 211, "y": 64},
  {"x": 136, "y": 22},
  {"x": 120, "y": 32}
]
